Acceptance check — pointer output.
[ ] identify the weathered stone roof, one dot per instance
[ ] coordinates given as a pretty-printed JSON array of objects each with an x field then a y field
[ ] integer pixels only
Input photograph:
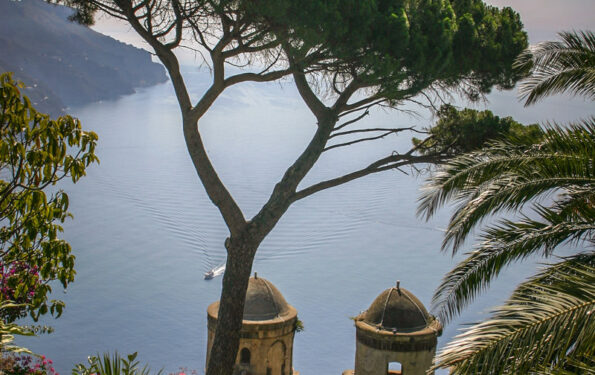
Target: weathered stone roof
[
  {"x": 397, "y": 309},
  {"x": 264, "y": 301}
]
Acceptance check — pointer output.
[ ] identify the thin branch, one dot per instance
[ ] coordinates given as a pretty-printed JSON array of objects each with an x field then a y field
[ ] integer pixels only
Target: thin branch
[
  {"x": 423, "y": 143},
  {"x": 341, "y": 102},
  {"x": 197, "y": 32},
  {"x": 247, "y": 49},
  {"x": 363, "y": 103},
  {"x": 390, "y": 130},
  {"x": 273, "y": 63},
  {"x": 199, "y": 52},
  {"x": 364, "y": 108},
  {"x": 388, "y": 163},
  {"x": 367, "y": 112}
]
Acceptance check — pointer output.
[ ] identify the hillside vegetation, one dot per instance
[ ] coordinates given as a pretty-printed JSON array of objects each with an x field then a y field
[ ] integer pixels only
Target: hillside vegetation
[{"x": 65, "y": 64}]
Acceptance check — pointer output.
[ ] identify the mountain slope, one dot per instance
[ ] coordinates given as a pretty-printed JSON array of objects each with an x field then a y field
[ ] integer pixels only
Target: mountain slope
[{"x": 66, "y": 64}]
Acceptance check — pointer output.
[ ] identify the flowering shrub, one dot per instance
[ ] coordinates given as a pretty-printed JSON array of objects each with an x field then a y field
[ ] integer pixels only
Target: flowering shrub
[
  {"x": 26, "y": 365},
  {"x": 18, "y": 283},
  {"x": 36, "y": 152}
]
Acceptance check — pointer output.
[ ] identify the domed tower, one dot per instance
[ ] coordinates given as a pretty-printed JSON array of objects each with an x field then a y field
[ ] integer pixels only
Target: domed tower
[
  {"x": 395, "y": 328},
  {"x": 268, "y": 328}
]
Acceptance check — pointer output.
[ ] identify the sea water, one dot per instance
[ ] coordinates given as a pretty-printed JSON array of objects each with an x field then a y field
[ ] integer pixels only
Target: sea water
[{"x": 144, "y": 232}]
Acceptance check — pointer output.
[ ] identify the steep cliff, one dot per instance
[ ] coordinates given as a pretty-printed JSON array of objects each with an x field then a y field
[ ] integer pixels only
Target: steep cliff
[{"x": 65, "y": 64}]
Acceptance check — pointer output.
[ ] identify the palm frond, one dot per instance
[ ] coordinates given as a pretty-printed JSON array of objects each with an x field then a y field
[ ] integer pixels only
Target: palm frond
[
  {"x": 547, "y": 325},
  {"x": 567, "y": 66},
  {"x": 114, "y": 364},
  {"x": 503, "y": 244},
  {"x": 464, "y": 174},
  {"x": 570, "y": 366},
  {"x": 578, "y": 81},
  {"x": 547, "y": 320},
  {"x": 505, "y": 194},
  {"x": 507, "y": 175}
]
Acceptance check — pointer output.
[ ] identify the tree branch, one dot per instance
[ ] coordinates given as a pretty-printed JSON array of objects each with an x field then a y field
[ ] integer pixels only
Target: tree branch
[
  {"x": 391, "y": 162},
  {"x": 347, "y": 108},
  {"x": 364, "y": 108},
  {"x": 248, "y": 49},
  {"x": 165, "y": 55},
  {"x": 344, "y": 97},
  {"x": 391, "y": 130},
  {"x": 256, "y": 77},
  {"x": 387, "y": 132},
  {"x": 216, "y": 190},
  {"x": 347, "y": 123},
  {"x": 281, "y": 197},
  {"x": 311, "y": 100},
  {"x": 178, "y": 25}
]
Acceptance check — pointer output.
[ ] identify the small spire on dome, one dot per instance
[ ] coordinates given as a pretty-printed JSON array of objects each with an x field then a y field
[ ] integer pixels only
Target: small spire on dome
[
  {"x": 399, "y": 286},
  {"x": 256, "y": 275}
]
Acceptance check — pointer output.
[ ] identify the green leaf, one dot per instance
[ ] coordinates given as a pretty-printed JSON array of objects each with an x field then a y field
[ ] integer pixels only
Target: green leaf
[{"x": 34, "y": 150}]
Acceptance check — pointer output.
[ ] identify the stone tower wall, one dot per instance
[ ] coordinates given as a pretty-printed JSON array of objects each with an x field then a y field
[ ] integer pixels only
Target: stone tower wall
[
  {"x": 371, "y": 361},
  {"x": 376, "y": 348},
  {"x": 270, "y": 343}
]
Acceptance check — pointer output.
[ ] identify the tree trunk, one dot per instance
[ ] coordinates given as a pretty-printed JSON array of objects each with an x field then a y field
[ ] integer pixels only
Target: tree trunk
[{"x": 240, "y": 255}]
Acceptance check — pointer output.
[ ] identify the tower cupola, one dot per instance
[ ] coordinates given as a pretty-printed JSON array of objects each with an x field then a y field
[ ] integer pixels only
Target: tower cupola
[
  {"x": 268, "y": 329},
  {"x": 396, "y": 328}
]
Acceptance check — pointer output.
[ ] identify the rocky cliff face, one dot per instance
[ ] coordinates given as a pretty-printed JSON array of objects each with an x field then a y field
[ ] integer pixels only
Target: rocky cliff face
[{"x": 65, "y": 64}]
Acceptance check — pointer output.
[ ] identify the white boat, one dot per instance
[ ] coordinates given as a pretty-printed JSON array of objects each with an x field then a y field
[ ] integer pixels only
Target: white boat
[{"x": 215, "y": 272}]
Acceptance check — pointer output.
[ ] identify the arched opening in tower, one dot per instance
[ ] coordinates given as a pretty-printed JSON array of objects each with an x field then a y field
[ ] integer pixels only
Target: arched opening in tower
[
  {"x": 394, "y": 368},
  {"x": 245, "y": 356}
]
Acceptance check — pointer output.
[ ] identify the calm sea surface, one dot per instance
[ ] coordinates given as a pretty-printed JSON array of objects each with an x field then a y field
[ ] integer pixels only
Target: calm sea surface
[{"x": 144, "y": 231}]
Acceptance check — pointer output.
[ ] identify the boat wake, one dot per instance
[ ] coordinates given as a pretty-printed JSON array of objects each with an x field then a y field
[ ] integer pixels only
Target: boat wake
[{"x": 219, "y": 270}]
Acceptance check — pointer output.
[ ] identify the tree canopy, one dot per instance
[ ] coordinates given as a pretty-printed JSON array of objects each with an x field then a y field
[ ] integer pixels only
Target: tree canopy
[
  {"x": 35, "y": 153},
  {"x": 460, "y": 131},
  {"x": 403, "y": 45}
]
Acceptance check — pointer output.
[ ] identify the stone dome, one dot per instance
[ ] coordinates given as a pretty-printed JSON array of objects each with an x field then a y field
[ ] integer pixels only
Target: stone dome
[
  {"x": 397, "y": 309},
  {"x": 264, "y": 301}
]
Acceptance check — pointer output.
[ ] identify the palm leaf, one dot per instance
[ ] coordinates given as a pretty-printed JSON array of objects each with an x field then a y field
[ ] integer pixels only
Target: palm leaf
[
  {"x": 547, "y": 320},
  {"x": 506, "y": 176},
  {"x": 547, "y": 325},
  {"x": 114, "y": 364},
  {"x": 570, "y": 366},
  {"x": 501, "y": 245},
  {"x": 567, "y": 66}
]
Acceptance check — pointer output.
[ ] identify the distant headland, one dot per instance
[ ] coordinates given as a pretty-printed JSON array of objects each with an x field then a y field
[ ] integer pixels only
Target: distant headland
[{"x": 64, "y": 64}]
